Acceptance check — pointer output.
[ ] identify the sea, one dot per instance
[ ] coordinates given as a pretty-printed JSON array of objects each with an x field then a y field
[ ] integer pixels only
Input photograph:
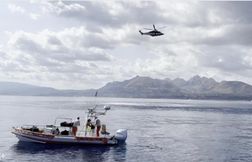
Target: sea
[{"x": 162, "y": 130}]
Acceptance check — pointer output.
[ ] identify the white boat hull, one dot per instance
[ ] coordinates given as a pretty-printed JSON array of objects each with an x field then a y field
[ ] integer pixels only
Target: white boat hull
[{"x": 35, "y": 137}]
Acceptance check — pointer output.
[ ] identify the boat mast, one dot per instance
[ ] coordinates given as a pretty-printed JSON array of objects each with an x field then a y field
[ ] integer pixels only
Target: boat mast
[{"x": 90, "y": 113}]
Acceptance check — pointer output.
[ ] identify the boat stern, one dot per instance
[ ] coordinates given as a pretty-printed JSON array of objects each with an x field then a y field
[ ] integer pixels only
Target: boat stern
[{"x": 121, "y": 135}]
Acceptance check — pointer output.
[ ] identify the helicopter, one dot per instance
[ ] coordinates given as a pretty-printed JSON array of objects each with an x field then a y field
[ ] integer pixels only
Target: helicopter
[{"x": 154, "y": 32}]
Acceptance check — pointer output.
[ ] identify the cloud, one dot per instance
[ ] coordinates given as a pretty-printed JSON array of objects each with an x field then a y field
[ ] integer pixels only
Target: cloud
[
  {"x": 34, "y": 16},
  {"x": 231, "y": 59},
  {"x": 60, "y": 46},
  {"x": 230, "y": 35},
  {"x": 110, "y": 14},
  {"x": 231, "y": 11},
  {"x": 16, "y": 9},
  {"x": 46, "y": 53}
]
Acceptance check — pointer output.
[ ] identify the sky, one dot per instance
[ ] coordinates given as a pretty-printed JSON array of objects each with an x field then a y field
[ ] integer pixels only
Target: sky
[{"x": 86, "y": 44}]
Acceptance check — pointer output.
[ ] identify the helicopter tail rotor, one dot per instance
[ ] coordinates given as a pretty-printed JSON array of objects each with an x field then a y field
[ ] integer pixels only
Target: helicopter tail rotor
[{"x": 140, "y": 32}]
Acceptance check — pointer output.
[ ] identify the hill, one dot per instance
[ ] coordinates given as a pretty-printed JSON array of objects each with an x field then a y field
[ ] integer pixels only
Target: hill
[
  {"x": 195, "y": 88},
  {"x": 145, "y": 87},
  {"x": 21, "y": 89}
]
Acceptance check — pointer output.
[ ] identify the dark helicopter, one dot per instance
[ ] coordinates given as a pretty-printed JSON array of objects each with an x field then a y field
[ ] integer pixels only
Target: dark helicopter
[{"x": 154, "y": 32}]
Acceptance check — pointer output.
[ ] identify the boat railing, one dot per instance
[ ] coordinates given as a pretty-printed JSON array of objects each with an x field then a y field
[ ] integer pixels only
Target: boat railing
[
  {"x": 47, "y": 129},
  {"x": 33, "y": 126}
]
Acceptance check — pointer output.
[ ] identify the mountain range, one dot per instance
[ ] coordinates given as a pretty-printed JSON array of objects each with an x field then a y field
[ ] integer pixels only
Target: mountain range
[
  {"x": 145, "y": 87},
  {"x": 21, "y": 89}
]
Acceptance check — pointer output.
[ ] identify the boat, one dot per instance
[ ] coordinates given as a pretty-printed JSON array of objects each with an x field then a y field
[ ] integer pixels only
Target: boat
[{"x": 61, "y": 132}]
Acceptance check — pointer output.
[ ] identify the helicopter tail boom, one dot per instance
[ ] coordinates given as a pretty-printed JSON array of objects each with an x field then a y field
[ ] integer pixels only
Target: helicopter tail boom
[{"x": 141, "y": 32}]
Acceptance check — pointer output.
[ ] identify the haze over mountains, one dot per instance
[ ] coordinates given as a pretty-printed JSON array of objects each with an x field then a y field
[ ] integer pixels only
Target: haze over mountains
[
  {"x": 20, "y": 89},
  {"x": 145, "y": 87}
]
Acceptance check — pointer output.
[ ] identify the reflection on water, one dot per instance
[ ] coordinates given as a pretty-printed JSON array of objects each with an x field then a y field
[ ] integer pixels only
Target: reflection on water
[{"x": 69, "y": 152}]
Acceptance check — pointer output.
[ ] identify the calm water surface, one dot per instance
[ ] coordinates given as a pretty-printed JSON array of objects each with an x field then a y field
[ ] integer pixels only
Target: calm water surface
[{"x": 158, "y": 130}]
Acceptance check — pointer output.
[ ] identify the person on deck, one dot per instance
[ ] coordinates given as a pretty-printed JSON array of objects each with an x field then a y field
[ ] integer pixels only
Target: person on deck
[
  {"x": 76, "y": 123},
  {"x": 88, "y": 124},
  {"x": 91, "y": 125},
  {"x": 98, "y": 126},
  {"x": 92, "y": 129}
]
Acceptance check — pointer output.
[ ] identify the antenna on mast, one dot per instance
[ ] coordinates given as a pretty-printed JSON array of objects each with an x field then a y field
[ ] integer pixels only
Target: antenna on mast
[{"x": 96, "y": 93}]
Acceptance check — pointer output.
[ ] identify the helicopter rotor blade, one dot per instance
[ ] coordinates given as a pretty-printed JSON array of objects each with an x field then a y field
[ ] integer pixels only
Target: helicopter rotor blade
[
  {"x": 154, "y": 27},
  {"x": 148, "y": 29},
  {"x": 162, "y": 27}
]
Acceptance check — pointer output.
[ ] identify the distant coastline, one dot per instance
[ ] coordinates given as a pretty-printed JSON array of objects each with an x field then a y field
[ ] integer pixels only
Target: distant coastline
[{"x": 196, "y": 88}]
